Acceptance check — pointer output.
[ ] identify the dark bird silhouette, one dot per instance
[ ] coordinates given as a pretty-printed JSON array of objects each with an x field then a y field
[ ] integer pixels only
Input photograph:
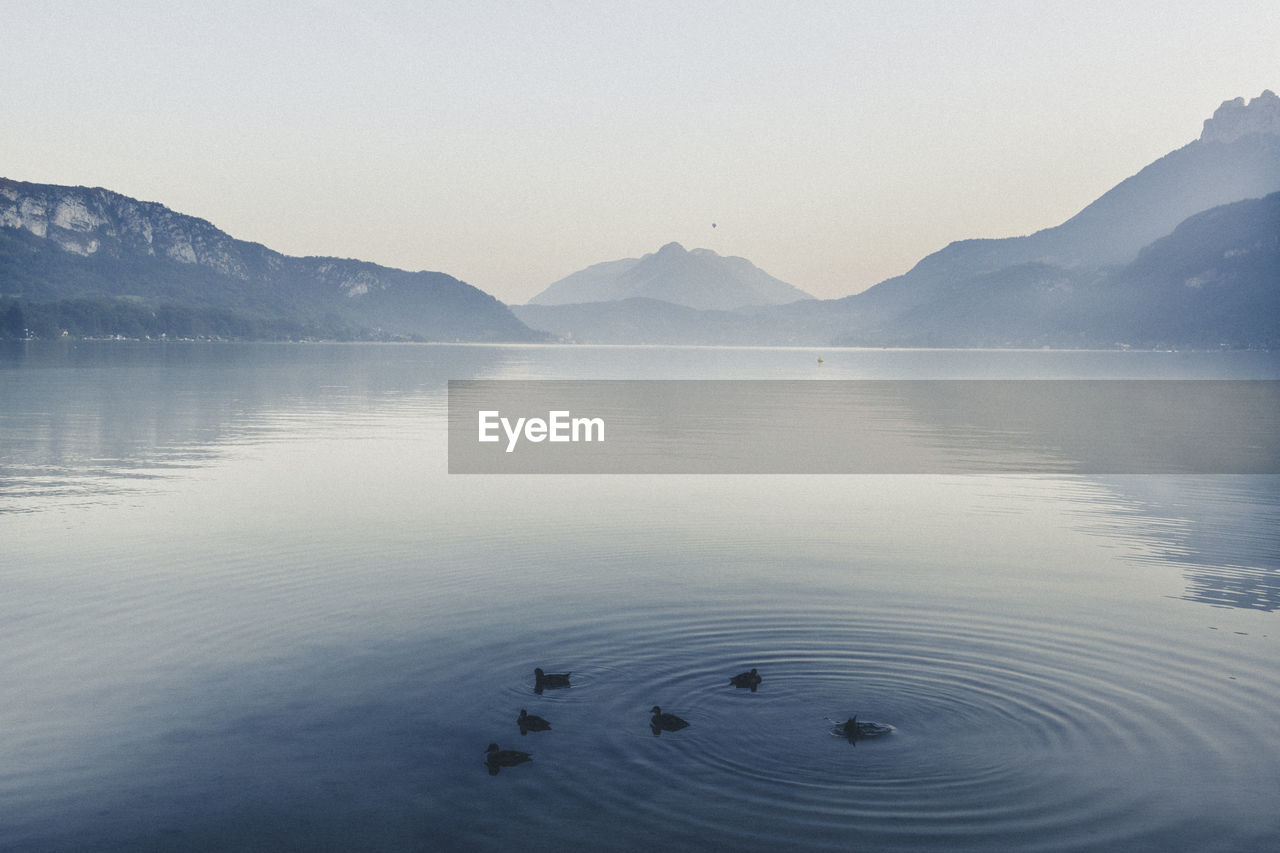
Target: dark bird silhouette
[
  {"x": 543, "y": 680},
  {"x": 849, "y": 728},
  {"x": 856, "y": 731},
  {"x": 496, "y": 758},
  {"x": 531, "y": 722},
  {"x": 746, "y": 679},
  {"x": 661, "y": 722}
]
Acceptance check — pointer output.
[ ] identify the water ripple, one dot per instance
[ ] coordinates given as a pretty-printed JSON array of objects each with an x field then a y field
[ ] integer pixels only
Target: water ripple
[{"x": 999, "y": 730}]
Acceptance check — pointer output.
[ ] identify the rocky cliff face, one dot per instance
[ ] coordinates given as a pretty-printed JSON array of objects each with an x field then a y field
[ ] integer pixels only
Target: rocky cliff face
[
  {"x": 1236, "y": 118},
  {"x": 97, "y": 222},
  {"x": 107, "y": 245}
]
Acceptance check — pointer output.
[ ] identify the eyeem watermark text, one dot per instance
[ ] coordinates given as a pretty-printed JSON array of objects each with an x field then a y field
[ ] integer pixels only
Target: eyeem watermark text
[
  {"x": 924, "y": 426},
  {"x": 558, "y": 426}
]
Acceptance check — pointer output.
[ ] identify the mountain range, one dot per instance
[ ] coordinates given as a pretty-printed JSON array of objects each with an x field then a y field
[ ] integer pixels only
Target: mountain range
[
  {"x": 1185, "y": 253},
  {"x": 97, "y": 259},
  {"x": 1144, "y": 265}
]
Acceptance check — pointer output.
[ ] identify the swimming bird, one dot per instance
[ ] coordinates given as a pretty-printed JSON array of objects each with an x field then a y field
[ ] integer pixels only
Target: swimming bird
[
  {"x": 856, "y": 731},
  {"x": 531, "y": 722},
  {"x": 849, "y": 728},
  {"x": 553, "y": 680},
  {"x": 661, "y": 722},
  {"x": 746, "y": 679},
  {"x": 505, "y": 757}
]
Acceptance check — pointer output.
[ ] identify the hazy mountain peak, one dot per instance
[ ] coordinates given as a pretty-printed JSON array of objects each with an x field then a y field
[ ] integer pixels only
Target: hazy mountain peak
[
  {"x": 699, "y": 278},
  {"x": 1236, "y": 118}
]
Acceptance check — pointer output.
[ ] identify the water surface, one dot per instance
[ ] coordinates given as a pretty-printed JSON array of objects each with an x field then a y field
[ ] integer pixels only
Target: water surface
[{"x": 242, "y": 604}]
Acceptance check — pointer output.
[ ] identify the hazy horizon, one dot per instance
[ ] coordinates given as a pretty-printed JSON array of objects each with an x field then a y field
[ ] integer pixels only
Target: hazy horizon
[{"x": 832, "y": 144}]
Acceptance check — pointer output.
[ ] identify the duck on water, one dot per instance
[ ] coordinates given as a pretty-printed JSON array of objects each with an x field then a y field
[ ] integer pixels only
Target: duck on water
[
  {"x": 553, "y": 680},
  {"x": 496, "y": 759},
  {"x": 532, "y": 722},
  {"x": 750, "y": 679},
  {"x": 661, "y": 722},
  {"x": 856, "y": 731}
]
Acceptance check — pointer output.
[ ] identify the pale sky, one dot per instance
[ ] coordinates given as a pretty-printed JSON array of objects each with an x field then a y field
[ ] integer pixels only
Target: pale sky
[{"x": 509, "y": 144}]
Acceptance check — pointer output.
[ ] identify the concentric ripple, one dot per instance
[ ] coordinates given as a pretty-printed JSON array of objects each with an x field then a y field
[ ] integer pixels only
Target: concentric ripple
[{"x": 1003, "y": 732}]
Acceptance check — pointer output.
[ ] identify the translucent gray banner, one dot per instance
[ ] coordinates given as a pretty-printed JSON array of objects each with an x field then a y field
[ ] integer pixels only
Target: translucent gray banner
[{"x": 864, "y": 427}]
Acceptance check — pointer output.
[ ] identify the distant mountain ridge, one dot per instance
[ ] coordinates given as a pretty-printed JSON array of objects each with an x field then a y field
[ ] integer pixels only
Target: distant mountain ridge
[
  {"x": 698, "y": 278},
  {"x": 1111, "y": 230},
  {"x": 64, "y": 243},
  {"x": 1090, "y": 281},
  {"x": 1214, "y": 281},
  {"x": 1183, "y": 253}
]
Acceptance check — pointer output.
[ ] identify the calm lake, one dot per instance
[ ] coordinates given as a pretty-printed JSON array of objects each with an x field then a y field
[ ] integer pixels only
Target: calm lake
[{"x": 244, "y": 605}]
